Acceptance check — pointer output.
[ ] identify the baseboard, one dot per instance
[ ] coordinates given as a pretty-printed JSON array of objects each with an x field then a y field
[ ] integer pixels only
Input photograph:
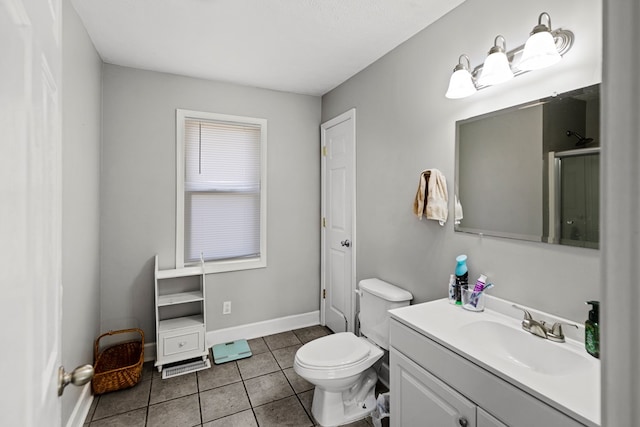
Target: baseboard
[
  {"x": 149, "y": 352},
  {"x": 81, "y": 410},
  {"x": 261, "y": 329},
  {"x": 251, "y": 330}
]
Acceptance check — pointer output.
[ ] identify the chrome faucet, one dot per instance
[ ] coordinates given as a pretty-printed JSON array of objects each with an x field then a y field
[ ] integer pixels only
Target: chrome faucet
[
  {"x": 539, "y": 327},
  {"x": 555, "y": 332},
  {"x": 530, "y": 325}
]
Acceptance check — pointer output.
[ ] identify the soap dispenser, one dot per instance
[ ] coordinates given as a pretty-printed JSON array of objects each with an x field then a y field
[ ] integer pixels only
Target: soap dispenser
[{"x": 592, "y": 330}]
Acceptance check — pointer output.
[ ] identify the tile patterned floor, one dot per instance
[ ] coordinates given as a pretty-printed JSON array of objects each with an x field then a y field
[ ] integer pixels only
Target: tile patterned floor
[{"x": 262, "y": 390}]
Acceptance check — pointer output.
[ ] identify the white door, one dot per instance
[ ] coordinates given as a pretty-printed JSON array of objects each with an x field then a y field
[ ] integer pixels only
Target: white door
[
  {"x": 338, "y": 212},
  {"x": 30, "y": 210}
]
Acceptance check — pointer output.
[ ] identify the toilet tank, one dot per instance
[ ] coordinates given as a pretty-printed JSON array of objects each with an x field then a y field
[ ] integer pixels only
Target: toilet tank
[{"x": 376, "y": 297}]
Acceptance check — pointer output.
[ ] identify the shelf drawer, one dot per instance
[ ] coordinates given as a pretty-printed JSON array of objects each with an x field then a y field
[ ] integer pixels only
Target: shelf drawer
[{"x": 185, "y": 341}]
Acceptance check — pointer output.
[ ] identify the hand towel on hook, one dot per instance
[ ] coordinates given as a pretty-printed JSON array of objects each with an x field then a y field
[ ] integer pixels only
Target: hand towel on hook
[{"x": 432, "y": 198}]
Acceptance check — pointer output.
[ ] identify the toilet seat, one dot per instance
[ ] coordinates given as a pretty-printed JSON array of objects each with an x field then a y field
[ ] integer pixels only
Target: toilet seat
[
  {"x": 339, "y": 350},
  {"x": 336, "y": 356}
]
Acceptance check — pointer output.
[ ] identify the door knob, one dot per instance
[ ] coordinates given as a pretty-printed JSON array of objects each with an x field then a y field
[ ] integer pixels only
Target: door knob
[
  {"x": 79, "y": 376},
  {"x": 346, "y": 243}
]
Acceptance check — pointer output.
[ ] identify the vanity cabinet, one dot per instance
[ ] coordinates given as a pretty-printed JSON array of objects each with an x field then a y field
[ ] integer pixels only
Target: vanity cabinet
[
  {"x": 180, "y": 314},
  {"x": 485, "y": 419},
  {"x": 421, "y": 399},
  {"x": 434, "y": 386}
]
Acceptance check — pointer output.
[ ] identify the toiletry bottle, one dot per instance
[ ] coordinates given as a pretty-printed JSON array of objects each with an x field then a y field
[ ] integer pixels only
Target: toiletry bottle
[
  {"x": 462, "y": 277},
  {"x": 452, "y": 289},
  {"x": 592, "y": 330}
]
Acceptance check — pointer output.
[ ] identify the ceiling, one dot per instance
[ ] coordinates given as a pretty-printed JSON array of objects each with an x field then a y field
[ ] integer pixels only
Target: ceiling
[{"x": 299, "y": 46}]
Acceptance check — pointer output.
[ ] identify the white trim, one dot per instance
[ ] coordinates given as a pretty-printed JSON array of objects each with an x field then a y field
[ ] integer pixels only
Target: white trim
[
  {"x": 323, "y": 227},
  {"x": 81, "y": 408},
  {"x": 264, "y": 328},
  {"x": 149, "y": 352},
  {"x": 347, "y": 115},
  {"x": 180, "y": 117},
  {"x": 235, "y": 265},
  {"x": 323, "y": 218},
  {"x": 232, "y": 265}
]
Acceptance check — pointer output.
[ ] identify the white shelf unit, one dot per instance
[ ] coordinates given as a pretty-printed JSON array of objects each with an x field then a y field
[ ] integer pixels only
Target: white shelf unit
[{"x": 180, "y": 303}]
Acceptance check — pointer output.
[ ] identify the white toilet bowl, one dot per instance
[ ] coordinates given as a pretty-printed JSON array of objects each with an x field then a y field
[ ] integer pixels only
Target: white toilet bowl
[{"x": 339, "y": 365}]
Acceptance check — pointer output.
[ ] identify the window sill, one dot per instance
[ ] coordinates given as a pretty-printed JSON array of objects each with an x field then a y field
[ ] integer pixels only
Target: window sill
[{"x": 232, "y": 265}]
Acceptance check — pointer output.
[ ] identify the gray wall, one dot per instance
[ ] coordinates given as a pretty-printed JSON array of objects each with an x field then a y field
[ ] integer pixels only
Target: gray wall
[
  {"x": 81, "y": 116},
  {"x": 138, "y": 198},
  {"x": 405, "y": 124}
]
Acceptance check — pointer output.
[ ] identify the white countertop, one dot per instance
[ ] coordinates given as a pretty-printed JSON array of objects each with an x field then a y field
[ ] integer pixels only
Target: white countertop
[{"x": 576, "y": 392}]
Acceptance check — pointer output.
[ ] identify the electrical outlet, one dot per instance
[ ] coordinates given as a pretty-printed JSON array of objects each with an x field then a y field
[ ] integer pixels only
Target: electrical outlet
[{"x": 226, "y": 307}]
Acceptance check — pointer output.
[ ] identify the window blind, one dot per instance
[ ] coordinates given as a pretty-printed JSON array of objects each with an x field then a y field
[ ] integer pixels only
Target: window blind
[{"x": 222, "y": 190}]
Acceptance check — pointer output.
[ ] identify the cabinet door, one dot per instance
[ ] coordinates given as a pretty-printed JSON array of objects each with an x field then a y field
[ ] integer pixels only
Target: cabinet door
[
  {"x": 487, "y": 420},
  {"x": 420, "y": 399}
]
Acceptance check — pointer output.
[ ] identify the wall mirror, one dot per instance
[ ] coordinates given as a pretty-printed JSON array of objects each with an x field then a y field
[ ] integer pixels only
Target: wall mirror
[{"x": 531, "y": 172}]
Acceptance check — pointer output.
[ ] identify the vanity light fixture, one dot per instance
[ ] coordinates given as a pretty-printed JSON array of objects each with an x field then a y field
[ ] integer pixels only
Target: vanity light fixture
[
  {"x": 461, "y": 83},
  {"x": 496, "y": 68},
  {"x": 544, "y": 47},
  {"x": 540, "y": 49}
]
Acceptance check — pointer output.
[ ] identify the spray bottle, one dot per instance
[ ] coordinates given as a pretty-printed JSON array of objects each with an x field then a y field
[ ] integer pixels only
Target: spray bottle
[{"x": 462, "y": 277}]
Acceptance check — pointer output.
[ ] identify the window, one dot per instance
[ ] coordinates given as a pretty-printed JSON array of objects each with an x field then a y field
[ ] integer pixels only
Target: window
[{"x": 221, "y": 191}]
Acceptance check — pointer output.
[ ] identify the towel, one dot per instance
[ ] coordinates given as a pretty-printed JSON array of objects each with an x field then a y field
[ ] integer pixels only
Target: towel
[
  {"x": 458, "y": 210},
  {"x": 432, "y": 198},
  {"x": 421, "y": 194}
]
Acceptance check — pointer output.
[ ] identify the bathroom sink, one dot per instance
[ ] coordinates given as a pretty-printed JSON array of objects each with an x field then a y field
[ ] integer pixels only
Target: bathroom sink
[
  {"x": 562, "y": 375},
  {"x": 523, "y": 349}
]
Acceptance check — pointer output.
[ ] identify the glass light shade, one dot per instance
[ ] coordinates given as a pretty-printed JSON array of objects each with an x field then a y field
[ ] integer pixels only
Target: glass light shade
[
  {"x": 539, "y": 52},
  {"x": 495, "y": 70},
  {"x": 460, "y": 85}
]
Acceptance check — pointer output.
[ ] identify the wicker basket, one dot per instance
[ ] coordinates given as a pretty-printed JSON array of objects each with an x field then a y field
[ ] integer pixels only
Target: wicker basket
[{"x": 118, "y": 366}]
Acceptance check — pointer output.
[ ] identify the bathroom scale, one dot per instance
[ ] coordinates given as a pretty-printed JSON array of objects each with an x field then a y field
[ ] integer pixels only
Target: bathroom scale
[{"x": 229, "y": 351}]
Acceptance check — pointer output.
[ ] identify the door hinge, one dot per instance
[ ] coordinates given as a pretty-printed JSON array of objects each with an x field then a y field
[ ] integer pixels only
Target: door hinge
[
  {"x": 324, "y": 151},
  {"x": 324, "y": 294},
  {"x": 324, "y": 222}
]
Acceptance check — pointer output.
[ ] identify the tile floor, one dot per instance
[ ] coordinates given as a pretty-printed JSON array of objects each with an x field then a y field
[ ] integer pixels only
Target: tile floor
[{"x": 262, "y": 390}]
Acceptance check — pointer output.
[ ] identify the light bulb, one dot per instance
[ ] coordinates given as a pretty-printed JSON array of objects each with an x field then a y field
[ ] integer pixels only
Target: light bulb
[
  {"x": 461, "y": 82},
  {"x": 496, "y": 68},
  {"x": 540, "y": 50}
]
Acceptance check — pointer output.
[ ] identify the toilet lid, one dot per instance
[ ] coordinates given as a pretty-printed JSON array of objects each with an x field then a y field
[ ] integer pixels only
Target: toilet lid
[{"x": 337, "y": 350}]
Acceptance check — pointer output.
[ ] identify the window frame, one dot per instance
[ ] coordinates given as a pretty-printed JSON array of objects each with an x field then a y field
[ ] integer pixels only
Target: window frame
[{"x": 222, "y": 265}]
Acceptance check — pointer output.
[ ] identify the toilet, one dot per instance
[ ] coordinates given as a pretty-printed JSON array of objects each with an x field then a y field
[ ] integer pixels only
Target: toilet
[{"x": 341, "y": 365}]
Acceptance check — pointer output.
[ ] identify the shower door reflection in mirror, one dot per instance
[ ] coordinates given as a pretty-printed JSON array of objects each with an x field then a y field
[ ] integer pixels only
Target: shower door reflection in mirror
[{"x": 577, "y": 203}]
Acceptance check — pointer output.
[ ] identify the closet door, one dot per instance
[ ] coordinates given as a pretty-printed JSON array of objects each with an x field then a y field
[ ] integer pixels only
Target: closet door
[{"x": 337, "y": 301}]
